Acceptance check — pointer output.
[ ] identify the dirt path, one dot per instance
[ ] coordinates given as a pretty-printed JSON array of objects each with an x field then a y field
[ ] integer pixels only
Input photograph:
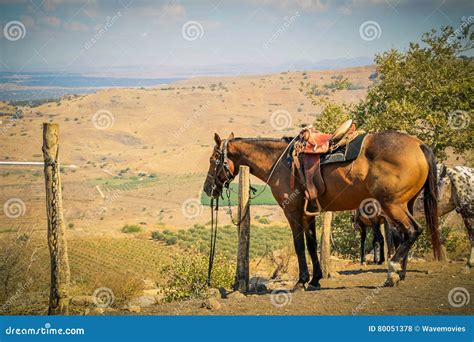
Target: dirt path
[{"x": 354, "y": 291}]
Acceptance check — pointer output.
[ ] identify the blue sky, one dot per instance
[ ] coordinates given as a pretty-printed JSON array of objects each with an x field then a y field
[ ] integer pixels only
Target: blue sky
[{"x": 170, "y": 38}]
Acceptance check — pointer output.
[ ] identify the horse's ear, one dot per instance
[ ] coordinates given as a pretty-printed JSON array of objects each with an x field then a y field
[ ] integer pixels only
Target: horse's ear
[
  {"x": 217, "y": 139},
  {"x": 231, "y": 136}
]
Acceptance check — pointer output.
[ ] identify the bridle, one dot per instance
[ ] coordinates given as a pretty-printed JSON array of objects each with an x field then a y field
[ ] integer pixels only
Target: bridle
[{"x": 221, "y": 163}]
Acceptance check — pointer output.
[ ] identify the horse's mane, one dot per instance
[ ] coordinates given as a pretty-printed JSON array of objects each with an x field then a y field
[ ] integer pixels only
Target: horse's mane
[{"x": 285, "y": 139}]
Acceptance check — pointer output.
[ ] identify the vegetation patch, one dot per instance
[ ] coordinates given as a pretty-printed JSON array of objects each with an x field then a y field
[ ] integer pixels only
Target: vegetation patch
[{"x": 263, "y": 240}]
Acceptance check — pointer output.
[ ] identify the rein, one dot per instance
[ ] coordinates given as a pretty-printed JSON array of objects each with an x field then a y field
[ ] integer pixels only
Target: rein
[
  {"x": 229, "y": 178},
  {"x": 212, "y": 249}
]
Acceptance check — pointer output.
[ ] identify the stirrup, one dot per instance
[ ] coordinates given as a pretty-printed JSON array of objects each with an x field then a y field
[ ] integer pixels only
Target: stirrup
[{"x": 305, "y": 208}]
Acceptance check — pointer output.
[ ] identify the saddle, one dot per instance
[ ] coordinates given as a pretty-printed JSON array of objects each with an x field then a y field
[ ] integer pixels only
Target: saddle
[{"x": 309, "y": 147}]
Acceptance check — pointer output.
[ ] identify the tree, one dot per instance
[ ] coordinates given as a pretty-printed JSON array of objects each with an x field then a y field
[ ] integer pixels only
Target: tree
[
  {"x": 427, "y": 91},
  {"x": 331, "y": 116}
]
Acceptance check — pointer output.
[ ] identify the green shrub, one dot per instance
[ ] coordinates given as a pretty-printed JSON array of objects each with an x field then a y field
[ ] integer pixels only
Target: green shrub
[
  {"x": 130, "y": 228},
  {"x": 263, "y": 220},
  {"x": 346, "y": 238},
  {"x": 188, "y": 274}
]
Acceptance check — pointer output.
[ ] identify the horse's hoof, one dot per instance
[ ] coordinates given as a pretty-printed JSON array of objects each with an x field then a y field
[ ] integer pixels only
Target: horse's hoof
[
  {"x": 363, "y": 263},
  {"x": 313, "y": 287},
  {"x": 392, "y": 280},
  {"x": 298, "y": 287}
]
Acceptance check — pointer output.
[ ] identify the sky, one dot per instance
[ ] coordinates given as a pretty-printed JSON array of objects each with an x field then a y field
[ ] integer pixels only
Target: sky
[{"x": 176, "y": 38}]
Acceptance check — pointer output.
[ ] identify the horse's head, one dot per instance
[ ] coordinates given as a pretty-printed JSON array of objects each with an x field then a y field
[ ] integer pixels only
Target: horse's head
[{"x": 221, "y": 168}]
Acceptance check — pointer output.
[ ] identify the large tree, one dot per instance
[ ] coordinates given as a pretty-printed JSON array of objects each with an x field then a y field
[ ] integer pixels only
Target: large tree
[{"x": 426, "y": 91}]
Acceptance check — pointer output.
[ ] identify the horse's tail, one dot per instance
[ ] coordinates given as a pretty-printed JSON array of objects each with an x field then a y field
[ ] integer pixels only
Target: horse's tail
[{"x": 430, "y": 201}]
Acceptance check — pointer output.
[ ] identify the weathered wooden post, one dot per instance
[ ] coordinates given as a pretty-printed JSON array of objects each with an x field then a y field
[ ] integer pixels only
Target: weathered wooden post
[
  {"x": 60, "y": 274},
  {"x": 243, "y": 263},
  {"x": 326, "y": 244}
]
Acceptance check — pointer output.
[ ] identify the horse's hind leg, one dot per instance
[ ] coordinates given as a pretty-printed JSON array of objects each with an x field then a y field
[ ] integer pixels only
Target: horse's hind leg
[
  {"x": 410, "y": 229},
  {"x": 363, "y": 236},
  {"x": 378, "y": 238},
  {"x": 312, "y": 245}
]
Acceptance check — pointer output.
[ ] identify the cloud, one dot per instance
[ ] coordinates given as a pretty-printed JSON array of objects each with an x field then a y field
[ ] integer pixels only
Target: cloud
[
  {"x": 211, "y": 25},
  {"x": 28, "y": 21},
  {"x": 173, "y": 11},
  {"x": 76, "y": 26},
  {"x": 51, "y": 21}
]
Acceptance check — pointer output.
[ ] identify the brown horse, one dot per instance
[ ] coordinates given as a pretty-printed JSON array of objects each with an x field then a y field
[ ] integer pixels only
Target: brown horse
[
  {"x": 361, "y": 222},
  {"x": 392, "y": 168}
]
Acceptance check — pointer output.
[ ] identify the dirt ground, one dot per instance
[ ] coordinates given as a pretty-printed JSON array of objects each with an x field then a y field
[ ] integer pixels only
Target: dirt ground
[{"x": 356, "y": 290}]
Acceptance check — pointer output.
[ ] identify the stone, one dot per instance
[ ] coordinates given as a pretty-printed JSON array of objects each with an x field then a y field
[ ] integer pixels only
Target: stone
[
  {"x": 97, "y": 311},
  {"x": 143, "y": 301},
  {"x": 133, "y": 308},
  {"x": 235, "y": 294},
  {"x": 83, "y": 300},
  {"x": 214, "y": 293},
  {"x": 211, "y": 304}
]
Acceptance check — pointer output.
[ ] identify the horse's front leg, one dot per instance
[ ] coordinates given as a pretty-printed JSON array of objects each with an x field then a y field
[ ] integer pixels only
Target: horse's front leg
[
  {"x": 312, "y": 245},
  {"x": 297, "y": 230}
]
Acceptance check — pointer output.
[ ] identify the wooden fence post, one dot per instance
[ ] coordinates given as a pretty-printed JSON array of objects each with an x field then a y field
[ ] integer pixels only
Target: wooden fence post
[
  {"x": 243, "y": 263},
  {"x": 326, "y": 244},
  {"x": 60, "y": 274}
]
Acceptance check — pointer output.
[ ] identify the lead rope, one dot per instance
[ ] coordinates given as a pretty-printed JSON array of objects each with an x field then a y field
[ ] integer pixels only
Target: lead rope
[{"x": 212, "y": 249}]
